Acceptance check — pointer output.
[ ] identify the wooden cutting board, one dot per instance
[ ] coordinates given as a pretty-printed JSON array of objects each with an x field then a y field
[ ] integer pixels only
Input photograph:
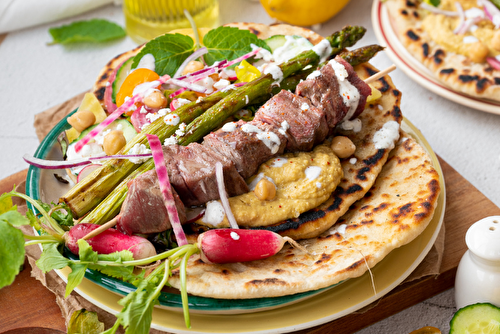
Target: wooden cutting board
[{"x": 26, "y": 303}]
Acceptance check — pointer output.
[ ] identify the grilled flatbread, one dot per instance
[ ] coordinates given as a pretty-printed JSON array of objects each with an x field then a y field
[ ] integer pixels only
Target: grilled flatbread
[
  {"x": 456, "y": 70},
  {"x": 394, "y": 212}
]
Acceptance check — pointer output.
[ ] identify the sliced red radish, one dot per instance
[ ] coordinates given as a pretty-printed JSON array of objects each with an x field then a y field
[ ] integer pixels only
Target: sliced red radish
[
  {"x": 166, "y": 188},
  {"x": 87, "y": 170},
  {"x": 495, "y": 63}
]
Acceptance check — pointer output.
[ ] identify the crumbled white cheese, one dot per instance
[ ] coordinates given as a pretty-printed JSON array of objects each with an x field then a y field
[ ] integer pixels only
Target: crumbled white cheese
[
  {"x": 172, "y": 119},
  {"x": 170, "y": 141},
  {"x": 352, "y": 161},
  {"x": 284, "y": 128},
  {"x": 304, "y": 106},
  {"x": 474, "y": 12},
  {"x": 208, "y": 83},
  {"x": 214, "y": 213},
  {"x": 386, "y": 136},
  {"x": 319, "y": 185},
  {"x": 222, "y": 83},
  {"x": 279, "y": 162},
  {"x": 138, "y": 149},
  {"x": 181, "y": 130}
]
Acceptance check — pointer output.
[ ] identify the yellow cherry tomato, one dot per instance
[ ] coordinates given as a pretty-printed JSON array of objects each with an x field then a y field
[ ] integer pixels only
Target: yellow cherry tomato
[
  {"x": 137, "y": 77},
  {"x": 245, "y": 72}
]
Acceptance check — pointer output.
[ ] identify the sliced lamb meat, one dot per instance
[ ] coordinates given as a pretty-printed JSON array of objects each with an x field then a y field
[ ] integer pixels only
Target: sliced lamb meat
[
  {"x": 247, "y": 144},
  {"x": 322, "y": 88},
  {"x": 195, "y": 165},
  {"x": 144, "y": 211},
  {"x": 363, "y": 88},
  {"x": 305, "y": 124}
]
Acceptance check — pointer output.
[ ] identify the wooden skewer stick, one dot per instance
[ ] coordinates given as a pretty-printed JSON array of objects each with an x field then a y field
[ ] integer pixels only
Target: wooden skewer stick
[
  {"x": 101, "y": 228},
  {"x": 114, "y": 221},
  {"x": 380, "y": 74}
]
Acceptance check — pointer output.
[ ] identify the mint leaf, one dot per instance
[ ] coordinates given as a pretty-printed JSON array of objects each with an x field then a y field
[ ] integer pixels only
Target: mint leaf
[
  {"x": 11, "y": 253},
  {"x": 14, "y": 218},
  {"x": 169, "y": 50},
  {"x": 96, "y": 30},
  {"x": 51, "y": 258},
  {"x": 229, "y": 43}
]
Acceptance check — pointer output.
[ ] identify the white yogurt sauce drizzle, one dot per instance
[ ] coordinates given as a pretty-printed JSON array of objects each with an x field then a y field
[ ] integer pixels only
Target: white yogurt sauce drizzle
[
  {"x": 312, "y": 172},
  {"x": 275, "y": 71},
  {"x": 350, "y": 94},
  {"x": 279, "y": 162},
  {"x": 270, "y": 139},
  {"x": 147, "y": 61},
  {"x": 323, "y": 50}
]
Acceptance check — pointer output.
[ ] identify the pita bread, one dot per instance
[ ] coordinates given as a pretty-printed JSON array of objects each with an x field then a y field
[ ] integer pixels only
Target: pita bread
[
  {"x": 395, "y": 211},
  {"x": 455, "y": 70}
]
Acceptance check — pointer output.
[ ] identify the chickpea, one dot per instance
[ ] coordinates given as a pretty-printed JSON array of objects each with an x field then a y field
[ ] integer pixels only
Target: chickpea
[
  {"x": 81, "y": 120},
  {"x": 113, "y": 142},
  {"x": 343, "y": 147},
  {"x": 478, "y": 52},
  {"x": 155, "y": 100},
  {"x": 265, "y": 190},
  {"x": 192, "y": 66},
  {"x": 495, "y": 41}
]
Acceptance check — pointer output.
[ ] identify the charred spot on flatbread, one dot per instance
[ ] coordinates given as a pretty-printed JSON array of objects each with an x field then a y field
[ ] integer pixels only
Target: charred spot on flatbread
[{"x": 421, "y": 45}]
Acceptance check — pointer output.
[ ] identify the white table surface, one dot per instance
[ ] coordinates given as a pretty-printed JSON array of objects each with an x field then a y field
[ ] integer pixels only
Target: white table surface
[{"x": 34, "y": 77}]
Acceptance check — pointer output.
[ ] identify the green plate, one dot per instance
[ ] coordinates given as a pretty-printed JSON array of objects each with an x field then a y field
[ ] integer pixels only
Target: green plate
[{"x": 40, "y": 184}]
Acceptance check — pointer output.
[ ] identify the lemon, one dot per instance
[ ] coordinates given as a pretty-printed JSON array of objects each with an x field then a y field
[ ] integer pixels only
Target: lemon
[{"x": 303, "y": 12}]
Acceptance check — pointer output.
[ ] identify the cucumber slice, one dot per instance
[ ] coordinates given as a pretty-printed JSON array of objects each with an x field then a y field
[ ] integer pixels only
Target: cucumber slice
[
  {"x": 275, "y": 42},
  {"x": 122, "y": 73},
  {"x": 127, "y": 128},
  {"x": 278, "y": 41},
  {"x": 478, "y": 318}
]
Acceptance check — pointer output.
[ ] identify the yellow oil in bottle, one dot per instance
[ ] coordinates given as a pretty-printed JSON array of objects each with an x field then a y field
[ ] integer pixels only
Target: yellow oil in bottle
[{"x": 147, "y": 19}]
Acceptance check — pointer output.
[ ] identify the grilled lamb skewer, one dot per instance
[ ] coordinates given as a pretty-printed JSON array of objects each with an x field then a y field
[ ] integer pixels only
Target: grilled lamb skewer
[{"x": 286, "y": 120}]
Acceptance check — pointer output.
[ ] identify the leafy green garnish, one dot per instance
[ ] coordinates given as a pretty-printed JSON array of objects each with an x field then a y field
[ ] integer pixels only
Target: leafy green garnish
[
  {"x": 63, "y": 218},
  {"x": 434, "y": 3},
  {"x": 95, "y": 30},
  {"x": 229, "y": 43},
  {"x": 85, "y": 322},
  {"x": 496, "y": 3},
  {"x": 170, "y": 50},
  {"x": 11, "y": 252}
]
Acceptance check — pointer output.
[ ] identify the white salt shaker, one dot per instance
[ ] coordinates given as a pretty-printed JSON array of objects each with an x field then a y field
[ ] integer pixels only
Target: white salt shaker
[{"x": 478, "y": 273}]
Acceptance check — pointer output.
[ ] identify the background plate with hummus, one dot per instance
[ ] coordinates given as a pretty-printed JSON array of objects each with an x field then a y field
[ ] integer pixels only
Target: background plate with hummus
[
  {"x": 403, "y": 59},
  {"x": 281, "y": 314}
]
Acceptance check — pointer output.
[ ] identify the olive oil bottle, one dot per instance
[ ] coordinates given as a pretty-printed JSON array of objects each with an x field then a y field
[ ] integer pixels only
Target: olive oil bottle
[{"x": 147, "y": 19}]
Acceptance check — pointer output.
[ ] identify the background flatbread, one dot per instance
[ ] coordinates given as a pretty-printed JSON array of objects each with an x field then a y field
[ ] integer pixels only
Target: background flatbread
[
  {"x": 393, "y": 213},
  {"x": 455, "y": 70}
]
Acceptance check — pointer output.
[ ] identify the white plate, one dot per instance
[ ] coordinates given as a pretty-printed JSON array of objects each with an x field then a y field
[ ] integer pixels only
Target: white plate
[{"x": 416, "y": 70}]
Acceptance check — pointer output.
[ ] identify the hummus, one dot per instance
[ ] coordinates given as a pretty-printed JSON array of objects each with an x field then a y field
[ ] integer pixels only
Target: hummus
[
  {"x": 440, "y": 29},
  {"x": 303, "y": 181}
]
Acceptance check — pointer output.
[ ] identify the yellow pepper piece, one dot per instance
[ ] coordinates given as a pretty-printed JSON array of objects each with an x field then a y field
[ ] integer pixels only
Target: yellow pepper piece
[
  {"x": 375, "y": 95},
  {"x": 245, "y": 72}
]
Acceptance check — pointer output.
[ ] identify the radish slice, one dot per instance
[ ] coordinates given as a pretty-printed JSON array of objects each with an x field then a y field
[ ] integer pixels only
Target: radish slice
[
  {"x": 491, "y": 11},
  {"x": 87, "y": 170},
  {"x": 117, "y": 113},
  {"x": 108, "y": 98},
  {"x": 165, "y": 187},
  {"x": 197, "y": 54},
  {"x": 219, "y": 174},
  {"x": 495, "y": 63}
]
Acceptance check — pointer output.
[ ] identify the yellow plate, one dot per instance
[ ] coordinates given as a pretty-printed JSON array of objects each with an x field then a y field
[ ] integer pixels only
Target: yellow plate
[{"x": 319, "y": 309}]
